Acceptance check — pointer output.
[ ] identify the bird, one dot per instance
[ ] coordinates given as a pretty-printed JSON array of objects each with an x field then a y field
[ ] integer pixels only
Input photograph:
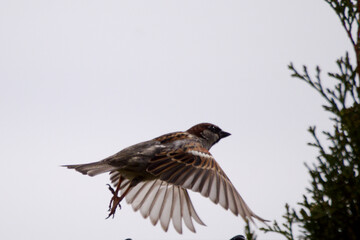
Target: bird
[{"x": 154, "y": 177}]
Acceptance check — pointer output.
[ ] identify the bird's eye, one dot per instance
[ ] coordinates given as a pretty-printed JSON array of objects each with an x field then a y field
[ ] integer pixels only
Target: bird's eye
[{"x": 213, "y": 128}]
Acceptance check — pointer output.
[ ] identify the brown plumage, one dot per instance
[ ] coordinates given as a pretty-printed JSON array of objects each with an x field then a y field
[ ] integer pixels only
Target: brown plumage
[{"x": 154, "y": 177}]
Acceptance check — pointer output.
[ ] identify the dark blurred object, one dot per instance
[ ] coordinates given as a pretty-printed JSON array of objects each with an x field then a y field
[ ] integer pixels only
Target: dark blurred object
[{"x": 238, "y": 237}]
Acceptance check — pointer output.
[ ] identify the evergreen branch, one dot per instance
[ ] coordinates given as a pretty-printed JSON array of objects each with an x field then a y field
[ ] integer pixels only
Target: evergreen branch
[
  {"x": 288, "y": 225},
  {"x": 332, "y": 210},
  {"x": 346, "y": 12}
]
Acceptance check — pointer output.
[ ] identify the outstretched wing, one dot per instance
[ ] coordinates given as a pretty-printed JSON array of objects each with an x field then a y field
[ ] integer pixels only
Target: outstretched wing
[
  {"x": 196, "y": 169},
  {"x": 161, "y": 202}
]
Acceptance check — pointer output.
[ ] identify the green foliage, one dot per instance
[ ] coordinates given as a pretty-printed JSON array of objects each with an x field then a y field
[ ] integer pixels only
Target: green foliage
[
  {"x": 347, "y": 85},
  {"x": 331, "y": 207},
  {"x": 348, "y": 13},
  {"x": 290, "y": 218},
  {"x": 249, "y": 234}
]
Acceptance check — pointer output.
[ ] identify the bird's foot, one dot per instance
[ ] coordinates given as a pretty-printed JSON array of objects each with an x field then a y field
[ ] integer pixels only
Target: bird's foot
[{"x": 114, "y": 202}]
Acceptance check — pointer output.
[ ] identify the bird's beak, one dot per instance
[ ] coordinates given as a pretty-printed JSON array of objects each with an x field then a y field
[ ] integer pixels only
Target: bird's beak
[{"x": 224, "y": 134}]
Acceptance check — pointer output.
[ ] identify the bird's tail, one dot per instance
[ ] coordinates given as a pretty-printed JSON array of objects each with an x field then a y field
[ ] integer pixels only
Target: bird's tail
[{"x": 92, "y": 169}]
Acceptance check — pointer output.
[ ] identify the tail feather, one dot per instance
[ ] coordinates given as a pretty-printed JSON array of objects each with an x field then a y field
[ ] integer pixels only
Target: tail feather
[{"x": 91, "y": 169}]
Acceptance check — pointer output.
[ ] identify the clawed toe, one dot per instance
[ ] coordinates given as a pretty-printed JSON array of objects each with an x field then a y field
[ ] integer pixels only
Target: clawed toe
[
  {"x": 115, "y": 200},
  {"x": 114, "y": 203},
  {"x": 111, "y": 189}
]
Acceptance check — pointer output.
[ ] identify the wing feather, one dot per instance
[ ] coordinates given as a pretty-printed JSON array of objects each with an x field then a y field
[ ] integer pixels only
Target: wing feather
[
  {"x": 214, "y": 189},
  {"x": 133, "y": 193},
  {"x": 176, "y": 210},
  {"x": 148, "y": 203},
  {"x": 161, "y": 202},
  {"x": 192, "y": 210},
  {"x": 143, "y": 195},
  {"x": 210, "y": 183},
  {"x": 231, "y": 199},
  {"x": 185, "y": 211},
  {"x": 223, "y": 200},
  {"x": 196, "y": 169},
  {"x": 186, "y": 177},
  {"x": 195, "y": 184},
  {"x": 166, "y": 212},
  {"x": 157, "y": 204}
]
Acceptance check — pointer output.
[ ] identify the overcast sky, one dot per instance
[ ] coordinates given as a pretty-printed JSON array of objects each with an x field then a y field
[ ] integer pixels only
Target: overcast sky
[{"x": 80, "y": 80}]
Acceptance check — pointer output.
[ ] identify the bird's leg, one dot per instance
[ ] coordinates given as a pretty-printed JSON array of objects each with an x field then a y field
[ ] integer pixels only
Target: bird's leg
[
  {"x": 115, "y": 192},
  {"x": 115, "y": 200}
]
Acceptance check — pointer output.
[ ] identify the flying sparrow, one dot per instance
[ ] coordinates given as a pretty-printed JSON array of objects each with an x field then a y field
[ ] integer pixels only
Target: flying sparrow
[{"x": 154, "y": 177}]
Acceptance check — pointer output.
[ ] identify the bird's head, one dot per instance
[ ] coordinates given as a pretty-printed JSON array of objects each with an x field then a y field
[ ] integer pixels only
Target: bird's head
[{"x": 209, "y": 133}]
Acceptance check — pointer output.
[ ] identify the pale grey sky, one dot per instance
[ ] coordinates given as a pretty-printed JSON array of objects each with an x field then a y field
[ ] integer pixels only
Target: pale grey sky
[{"x": 80, "y": 80}]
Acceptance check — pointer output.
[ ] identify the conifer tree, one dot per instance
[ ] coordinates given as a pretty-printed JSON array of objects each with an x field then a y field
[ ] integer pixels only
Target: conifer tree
[{"x": 330, "y": 208}]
